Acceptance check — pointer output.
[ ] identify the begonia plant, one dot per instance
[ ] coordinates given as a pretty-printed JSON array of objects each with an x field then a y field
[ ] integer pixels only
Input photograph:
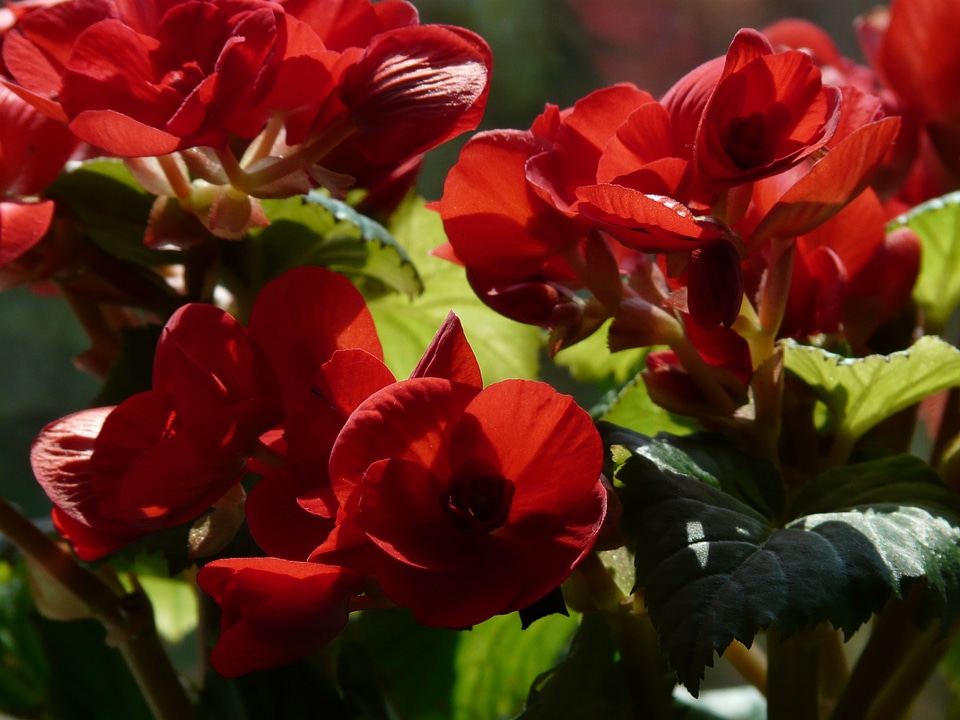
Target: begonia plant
[{"x": 662, "y": 382}]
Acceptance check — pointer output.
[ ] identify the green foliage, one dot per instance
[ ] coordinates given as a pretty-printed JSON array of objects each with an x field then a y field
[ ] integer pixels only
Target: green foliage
[
  {"x": 437, "y": 674},
  {"x": 937, "y": 224},
  {"x": 861, "y": 392},
  {"x": 588, "y": 683},
  {"x": 504, "y": 348},
  {"x": 318, "y": 230},
  {"x": 632, "y": 407},
  {"x": 721, "y": 555}
]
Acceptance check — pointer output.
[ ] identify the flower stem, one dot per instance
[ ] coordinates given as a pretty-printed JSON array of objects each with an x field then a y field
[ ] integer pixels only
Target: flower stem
[
  {"x": 792, "y": 684},
  {"x": 127, "y": 619},
  {"x": 636, "y": 639},
  {"x": 750, "y": 662}
]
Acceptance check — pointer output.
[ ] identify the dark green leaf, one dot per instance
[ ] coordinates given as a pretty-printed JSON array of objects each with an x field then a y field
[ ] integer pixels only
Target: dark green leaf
[
  {"x": 113, "y": 208},
  {"x": 708, "y": 457},
  {"x": 714, "y": 569},
  {"x": 415, "y": 664}
]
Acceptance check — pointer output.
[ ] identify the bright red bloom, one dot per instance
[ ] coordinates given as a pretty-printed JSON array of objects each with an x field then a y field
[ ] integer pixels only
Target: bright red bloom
[
  {"x": 316, "y": 329},
  {"x": 756, "y": 115},
  {"x": 275, "y": 612},
  {"x": 471, "y": 518},
  {"x": 164, "y": 456}
]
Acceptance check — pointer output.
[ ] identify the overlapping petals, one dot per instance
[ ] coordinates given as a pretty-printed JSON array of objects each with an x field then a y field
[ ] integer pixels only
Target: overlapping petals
[{"x": 275, "y": 612}]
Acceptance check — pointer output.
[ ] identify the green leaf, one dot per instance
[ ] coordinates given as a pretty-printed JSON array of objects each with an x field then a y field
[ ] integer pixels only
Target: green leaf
[
  {"x": 318, "y": 230},
  {"x": 708, "y": 457},
  {"x": 113, "y": 208},
  {"x": 861, "y": 392},
  {"x": 497, "y": 661},
  {"x": 589, "y": 683},
  {"x": 937, "y": 224},
  {"x": 504, "y": 348},
  {"x": 437, "y": 674},
  {"x": 714, "y": 569},
  {"x": 632, "y": 407}
]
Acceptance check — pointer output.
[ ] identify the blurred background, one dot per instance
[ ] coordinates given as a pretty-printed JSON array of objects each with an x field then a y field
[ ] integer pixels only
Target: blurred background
[{"x": 553, "y": 51}]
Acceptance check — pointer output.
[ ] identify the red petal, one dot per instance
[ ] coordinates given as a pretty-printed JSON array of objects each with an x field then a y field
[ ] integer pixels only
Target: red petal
[
  {"x": 408, "y": 420},
  {"x": 415, "y": 88},
  {"x": 279, "y": 525},
  {"x": 275, "y": 612},
  {"x": 450, "y": 356},
  {"x": 302, "y": 317},
  {"x": 649, "y": 223},
  {"x": 493, "y": 219},
  {"x": 831, "y": 183},
  {"x": 537, "y": 438},
  {"x": 22, "y": 225}
]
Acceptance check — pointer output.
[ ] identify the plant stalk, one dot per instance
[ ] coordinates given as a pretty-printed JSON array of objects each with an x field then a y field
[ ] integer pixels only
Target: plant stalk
[
  {"x": 128, "y": 620},
  {"x": 793, "y": 679}
]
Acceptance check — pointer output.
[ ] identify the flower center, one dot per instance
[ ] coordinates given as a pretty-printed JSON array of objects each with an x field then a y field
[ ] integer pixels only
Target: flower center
[{"x": 478, "y": 504}]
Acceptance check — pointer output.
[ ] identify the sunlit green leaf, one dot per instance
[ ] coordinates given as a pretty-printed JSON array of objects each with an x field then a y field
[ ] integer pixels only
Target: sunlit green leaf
[
  {"x": 497, "y": 661},
  {"x": 861, "y": 392},
  {"x": 631, "y": 407},
  {"x": 504, "y": 348},
  {"x": 714, "y": 569},
  {"x": 318, "y": 230},
  {"x": 937, "y": 224}
]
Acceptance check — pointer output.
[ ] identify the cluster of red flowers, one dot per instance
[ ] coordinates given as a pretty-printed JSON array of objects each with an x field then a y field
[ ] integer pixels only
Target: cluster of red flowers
[
  {"x": 419, "y": 493},
  {"x": 761, "y": 182},
  {"x": 346, "y": 94}
]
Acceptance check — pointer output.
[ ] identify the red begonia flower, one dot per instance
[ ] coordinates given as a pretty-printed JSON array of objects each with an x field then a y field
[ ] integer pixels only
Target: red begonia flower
[
  {"x": 494, "y": 219},
  {"x": 164, "y": 456},
  {"x": 768, "y": 111},
  {"x": 275, "y": 612},
  {"x": 753, "y": 113},
  {"x": 578, "y": 142},
  {"x": 472, "y": 518}
]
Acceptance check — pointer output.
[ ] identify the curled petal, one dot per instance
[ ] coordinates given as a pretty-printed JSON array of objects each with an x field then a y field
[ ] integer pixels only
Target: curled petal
[{"x": 415, "y": 88}]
